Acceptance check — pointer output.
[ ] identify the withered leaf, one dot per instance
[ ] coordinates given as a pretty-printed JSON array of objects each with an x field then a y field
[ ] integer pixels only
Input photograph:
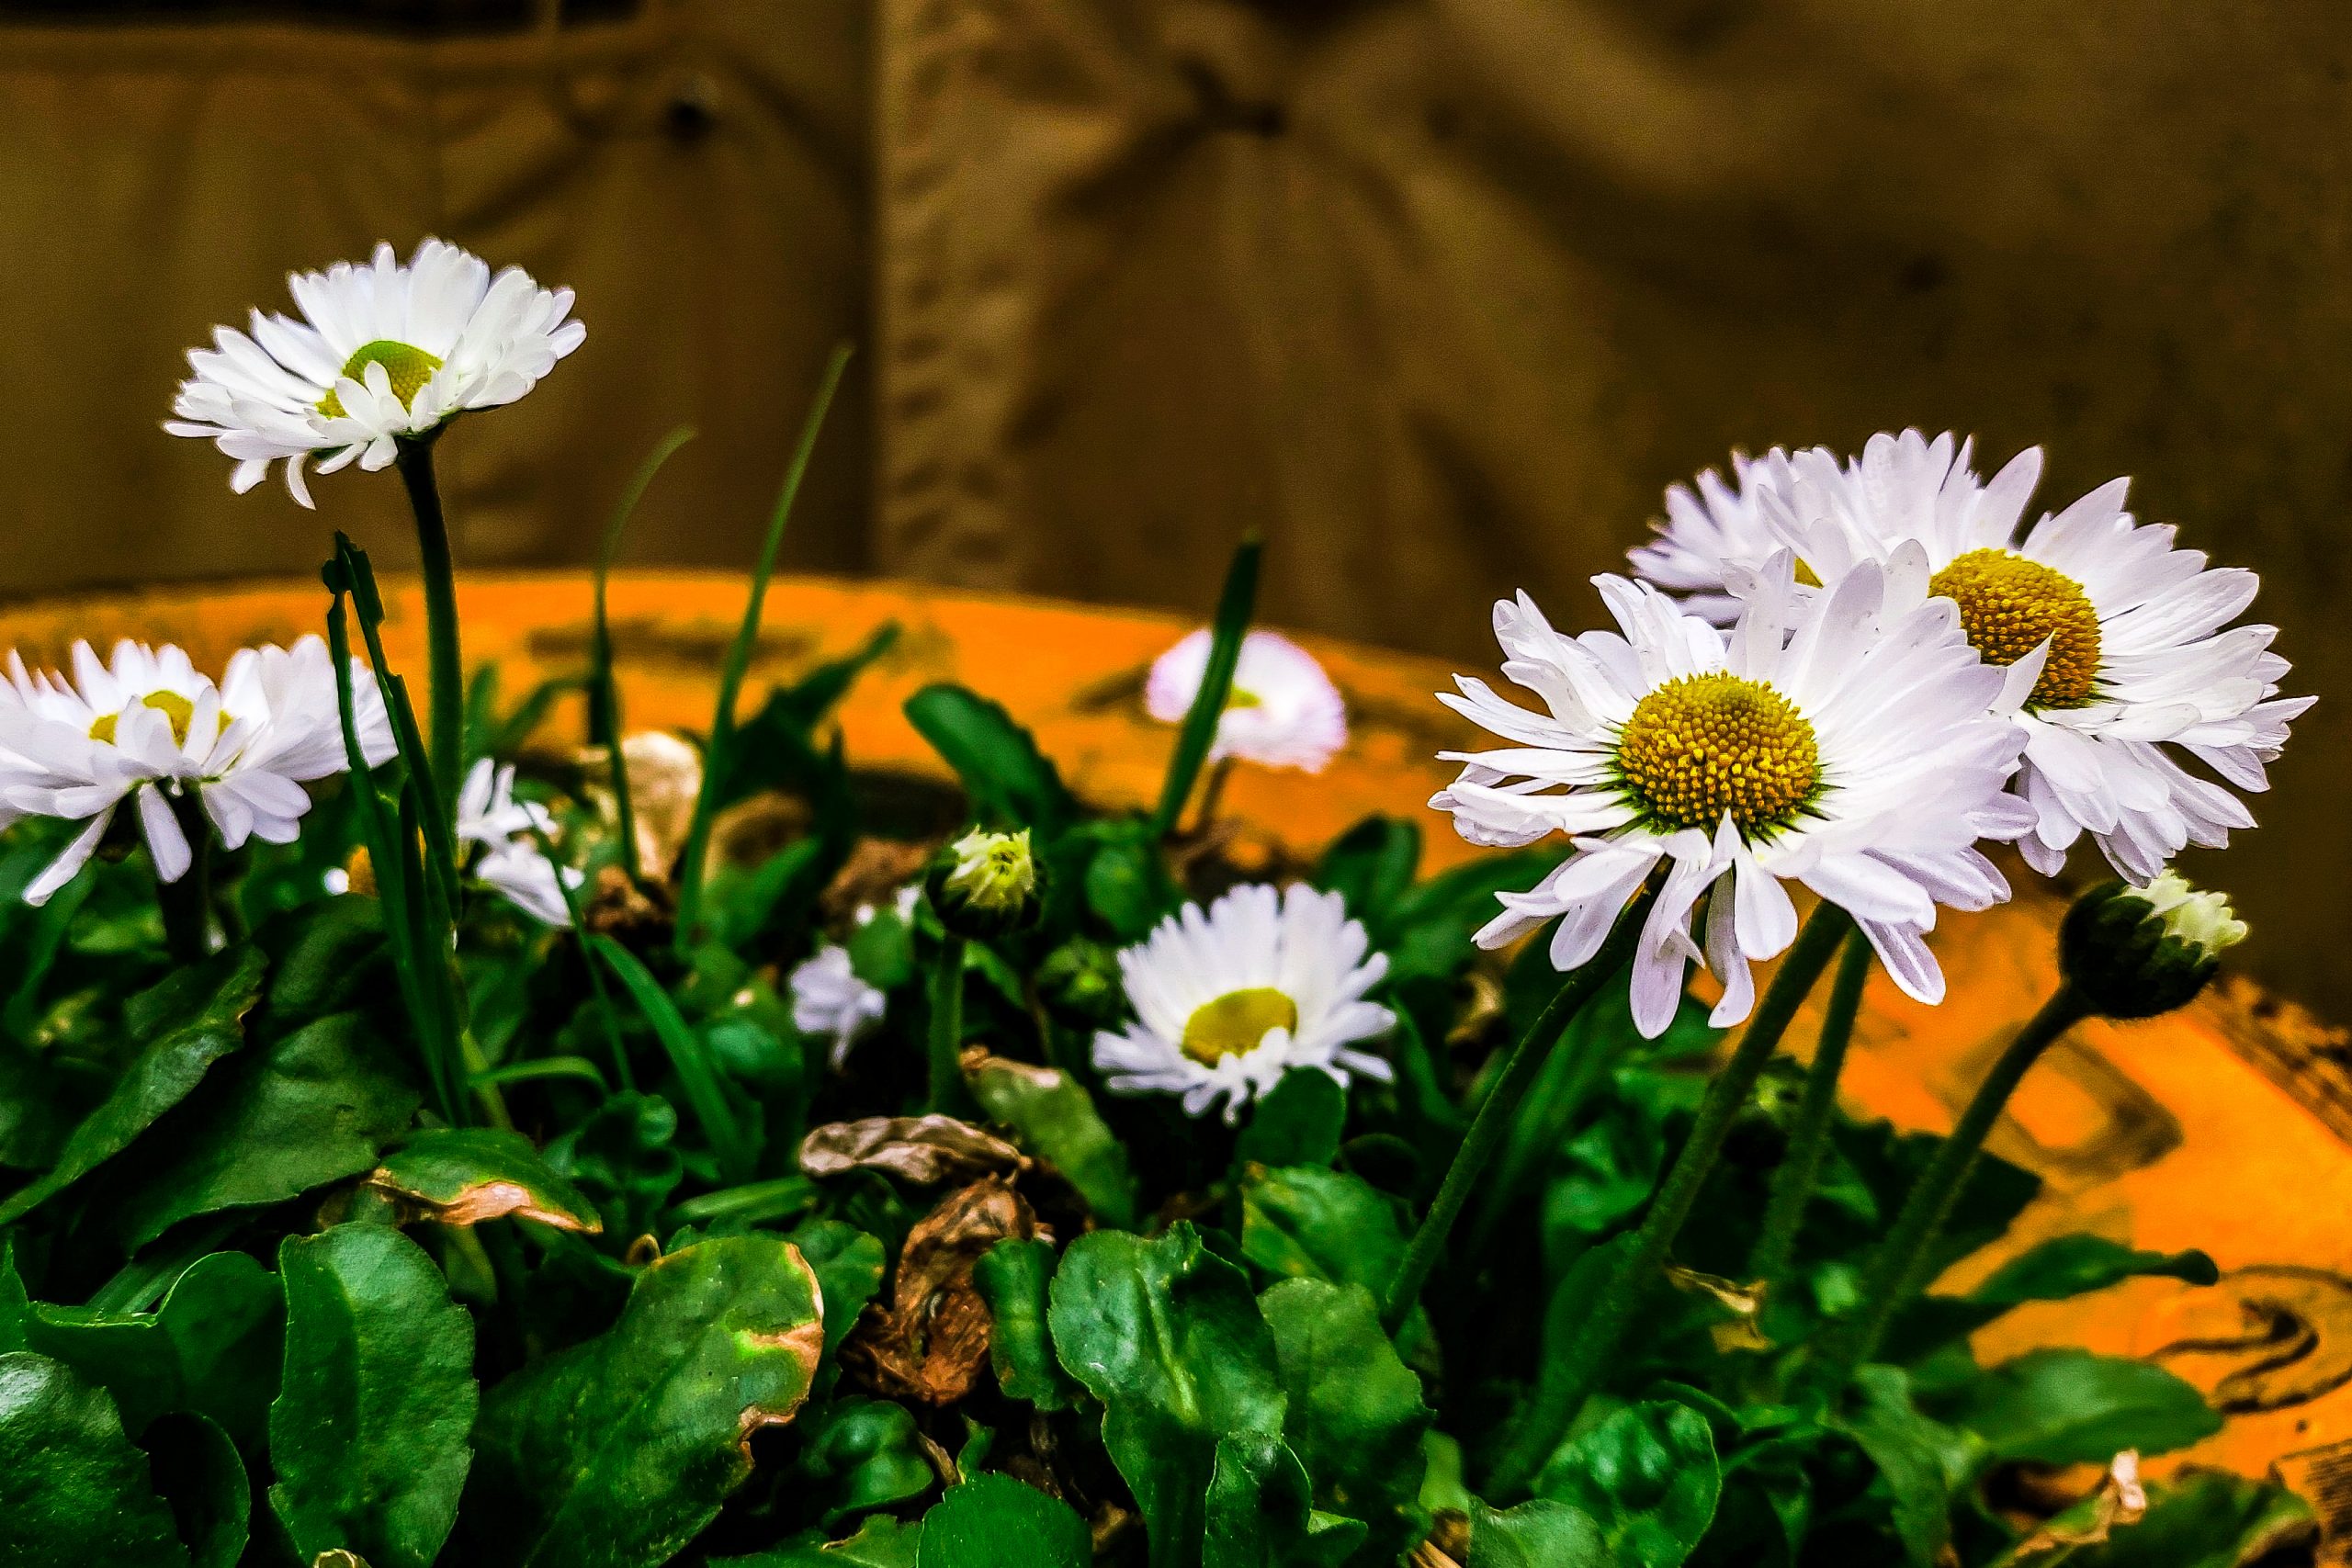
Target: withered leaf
[
  {"x": 925, "y": 1150},
  {"x": 466, "y": 1176},
  {"x": 933, "y": 1339}
]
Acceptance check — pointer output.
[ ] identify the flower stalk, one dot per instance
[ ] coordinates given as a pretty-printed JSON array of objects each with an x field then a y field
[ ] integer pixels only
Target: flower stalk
[
  {"x": 1500, "y": 1110},
  {"x": 1898, "y": 1272},
  {"x": 1799, "y": 1170},
  {"x": 947, "y": 1038},
  {"x": 1637, "y": 1272},
  {"x": 445, "y": 661},
  {"x": 187, "y": 903}
]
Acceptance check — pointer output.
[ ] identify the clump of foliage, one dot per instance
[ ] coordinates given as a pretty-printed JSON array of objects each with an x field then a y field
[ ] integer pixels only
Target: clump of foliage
[{"x": 401, "y": 1229}]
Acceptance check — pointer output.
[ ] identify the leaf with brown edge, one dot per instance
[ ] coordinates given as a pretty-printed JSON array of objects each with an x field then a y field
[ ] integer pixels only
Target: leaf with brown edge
[
  {"x": 616, "y": 1452},
  {"x": 464, "y": 1175},
  {"x": 924, "y": 1150},
  {"x": 933, "y": 1339}
]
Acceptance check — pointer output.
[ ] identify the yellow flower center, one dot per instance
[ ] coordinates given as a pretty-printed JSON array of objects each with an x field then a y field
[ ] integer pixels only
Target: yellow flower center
[
  {"x": 2009, "y": 606},
  {"x": 1806, "y": 575},
  {"x": 1235, "y": 1022},
  {"x": 1242, "y": 698},
  {"x": 410, "y": 367},
  {"x": 1704, "y": 747},
  {"x": 171, "y": 704}
]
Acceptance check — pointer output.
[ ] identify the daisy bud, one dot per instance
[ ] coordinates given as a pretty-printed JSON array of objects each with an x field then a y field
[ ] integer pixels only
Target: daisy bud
[
  {"x": 986, "y": 884},
  {"x": 2140, "y": 952}
]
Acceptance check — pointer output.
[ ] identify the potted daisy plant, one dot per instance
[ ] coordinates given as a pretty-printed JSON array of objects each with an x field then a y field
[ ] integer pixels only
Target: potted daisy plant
[{"x": 407, "y": 1160}]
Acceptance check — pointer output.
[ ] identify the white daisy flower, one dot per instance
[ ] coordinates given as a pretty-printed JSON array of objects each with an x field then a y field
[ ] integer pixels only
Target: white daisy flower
[
  {"x": 830, "y": 1003},
  {"x": 1228, "y": 1000},
  {"x": 507, "y": 830},
  {"x": 382, "y": 352},
  {"x": 1834, "y": 739},
  {"x": 1283, "y": 711},
  {"x": 146, "y": 725},
  {"x": 1702, "y": 530},
  {"x": 2118, "y": 645}
]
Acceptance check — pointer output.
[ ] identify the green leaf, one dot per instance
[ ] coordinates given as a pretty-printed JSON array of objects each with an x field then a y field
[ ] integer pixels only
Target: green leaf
[
  {"x": 1053, "y": 1117},
  {"x": 464, "y": 1175},
  {"x": 849, "y": 1265},
  {"x": 1922, "y": 1463},
  {"x": 860, "y": 1454},
  {"x": 1012, "y": 1278},
  {"x": 1127, "y": 882},
  {"x": 309, "y": 1108},
  {"x": 1372, "y": 866},
  {"x": 1167, "y": 1336},
  {"x": 881, "y": 1542},
  {"x": 1648, "y": 1477},
  {"x": 369, "y": 1429},
  {"x": 2066, "y": 1266},
  {"x": 1302, "y": 1221},
  {"x": 2069, "y": 1406},
  {"x": 74, "y": 1492},
  {"x": 993, "y": 1521},
  {"x": 1354, "y": 1417},
  {"x": 1261, "y": 1511},
  {"x": 214, "y": 1347},
  {"x": 1297, "y": 1122},
  {"x": 188, "y": 1023},
  {"x": 1012, "y": 783},
  {"x": 616, "y": 1452},
  {"x": 1198, "y": 736},
  {"x": 621, "y": 1156},
  {"x": 2204, "y": 1520},
  {"x": 202, "y": 1481},
  {"x": 1535, "y": 1535}
]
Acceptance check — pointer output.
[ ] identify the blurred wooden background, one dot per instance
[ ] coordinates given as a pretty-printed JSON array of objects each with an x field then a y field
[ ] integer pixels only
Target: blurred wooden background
[{"x": 1439, "y": 293}]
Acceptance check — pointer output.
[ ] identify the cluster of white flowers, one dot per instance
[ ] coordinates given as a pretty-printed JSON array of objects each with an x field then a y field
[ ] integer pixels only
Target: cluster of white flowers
[
  {"x": 1867, "y": 671},
  {"x": 1843, "y": 674},
  {"x": 505, "y": 834},
  {"x": 147, "y": 726}
]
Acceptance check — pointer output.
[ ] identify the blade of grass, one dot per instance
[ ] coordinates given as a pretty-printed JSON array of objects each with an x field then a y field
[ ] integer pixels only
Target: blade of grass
[
  {"x": 696, "y": 1071},
  {"x": 384, "y": 854},
  {"x": 752, "y": 1204},
  {"x": 739, "y": 660},
  {"x": 604, "y": 1009},
  {"x": 540, "y": 1067},
  {"x": 425, "y": 826},
  {"x": 1192, "y": 742},
  {"x": 604, "y": 696}
]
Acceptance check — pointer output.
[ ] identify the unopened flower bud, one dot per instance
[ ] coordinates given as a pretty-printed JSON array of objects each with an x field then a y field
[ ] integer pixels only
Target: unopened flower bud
[
  {"x": 2140, "y": 952},
  {"x": 985, "y": 884}
]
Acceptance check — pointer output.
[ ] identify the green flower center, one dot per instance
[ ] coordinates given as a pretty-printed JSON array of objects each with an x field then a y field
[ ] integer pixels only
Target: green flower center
[
  {"x": 2009, "y": 606},
  {"x": 1235, "y": 1022},
  {"x": 409, "y": 366},
  {"x": 1704, "y": 747},
  {"x": 171, "y": 704}
]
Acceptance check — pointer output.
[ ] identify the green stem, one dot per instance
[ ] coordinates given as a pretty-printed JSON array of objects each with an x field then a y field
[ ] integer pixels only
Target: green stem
[
  {"x": 948, "y": 1029},
  {"x": 187, "y": 903},
  {"x": 1901, "y": 1268},
  {"x": 1554, "y": 1114},
  {"x": 445, "y": 665},
  {"x": 1638, "y": 1269},
  {"x": 1500, "y": 1109},
  {"x": 1800, "y": 1171}
]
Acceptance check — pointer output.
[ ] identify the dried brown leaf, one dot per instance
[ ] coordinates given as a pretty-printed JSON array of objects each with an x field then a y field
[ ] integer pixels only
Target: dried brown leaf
[
  {"x": 931, "y": 1340},
  {"x": 873, "y": 874},
  {"x": 925, "y": 1150},
  {"x": 1744, "y": 1302}
]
